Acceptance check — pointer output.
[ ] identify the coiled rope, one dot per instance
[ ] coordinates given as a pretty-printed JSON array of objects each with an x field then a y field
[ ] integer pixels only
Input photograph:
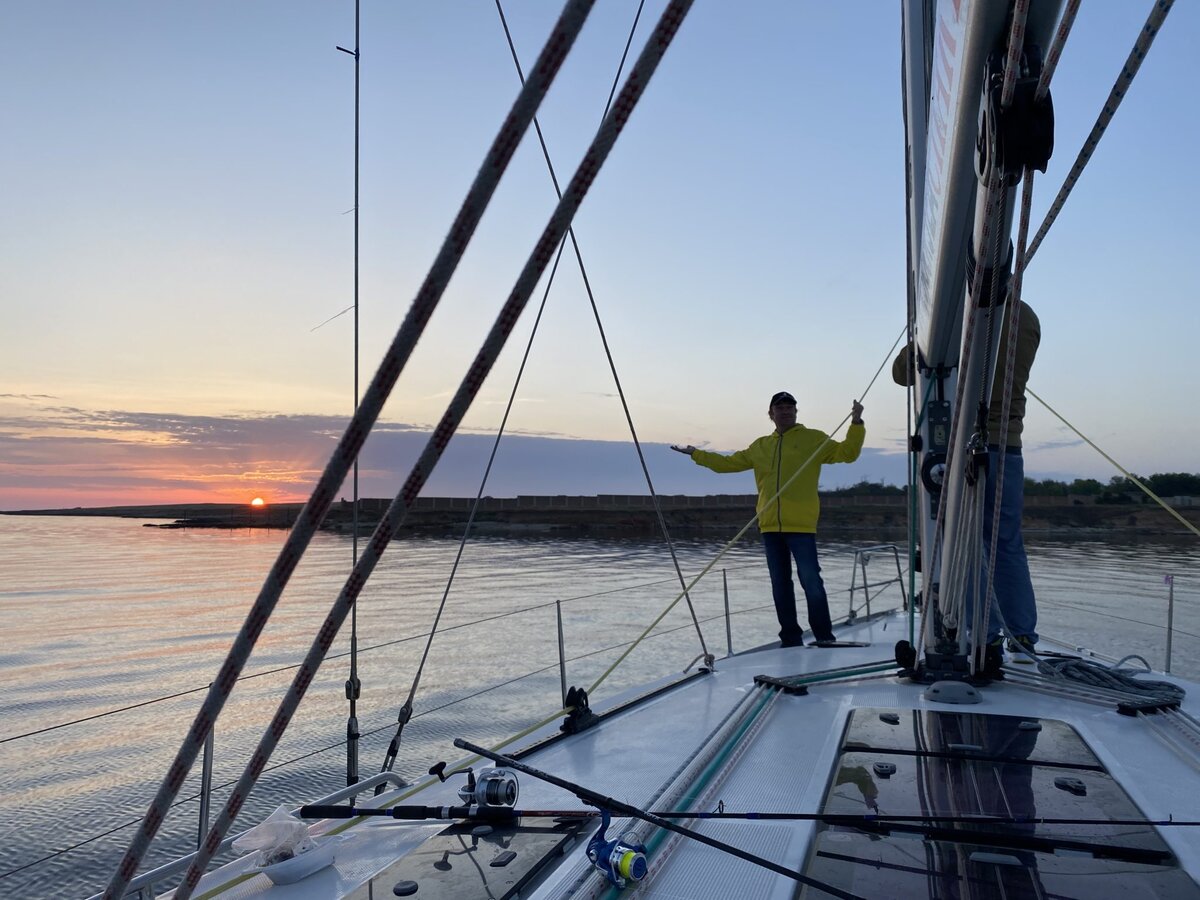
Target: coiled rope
[{"x": 1117, "y": 677}]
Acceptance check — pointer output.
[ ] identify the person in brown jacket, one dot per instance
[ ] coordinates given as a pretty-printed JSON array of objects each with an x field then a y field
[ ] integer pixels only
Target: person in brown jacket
[{"x": 1011, "y": 584}]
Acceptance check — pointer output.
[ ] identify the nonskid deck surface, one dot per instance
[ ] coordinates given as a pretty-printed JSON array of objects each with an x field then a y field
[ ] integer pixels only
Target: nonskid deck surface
[{"x": 804, "y": 755}]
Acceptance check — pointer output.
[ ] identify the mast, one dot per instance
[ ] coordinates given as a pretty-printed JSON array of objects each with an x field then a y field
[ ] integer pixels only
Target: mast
[{"x": 960, "y": 217}]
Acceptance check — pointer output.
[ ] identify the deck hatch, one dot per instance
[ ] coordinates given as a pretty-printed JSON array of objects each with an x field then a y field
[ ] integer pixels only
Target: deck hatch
[
  {"x": 971, "y": 764},
  {"x": 968, "y": 734},
  {"x": 457, "y": 862}
]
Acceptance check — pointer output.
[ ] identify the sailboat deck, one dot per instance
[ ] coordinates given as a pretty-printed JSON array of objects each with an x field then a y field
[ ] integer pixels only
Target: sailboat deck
[{"x": 787, "y": 765}]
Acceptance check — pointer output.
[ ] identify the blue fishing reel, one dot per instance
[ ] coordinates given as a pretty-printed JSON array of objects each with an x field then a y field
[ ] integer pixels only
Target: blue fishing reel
[{"x": 622, "y": 859}]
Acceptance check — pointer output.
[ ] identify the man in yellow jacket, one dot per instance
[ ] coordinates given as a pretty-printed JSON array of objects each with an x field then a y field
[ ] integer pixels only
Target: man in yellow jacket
[{"x": 788, "y": 506}]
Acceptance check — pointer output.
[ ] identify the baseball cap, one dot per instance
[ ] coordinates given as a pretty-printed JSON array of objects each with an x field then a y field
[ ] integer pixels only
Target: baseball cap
[{"x": 783, "y": 397}]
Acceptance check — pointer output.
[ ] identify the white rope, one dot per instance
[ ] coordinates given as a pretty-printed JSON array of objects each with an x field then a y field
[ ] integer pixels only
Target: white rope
[{"x": 1134, "y": 62}]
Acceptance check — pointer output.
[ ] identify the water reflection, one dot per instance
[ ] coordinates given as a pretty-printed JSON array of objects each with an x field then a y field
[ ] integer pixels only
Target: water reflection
[{"x": 102, "y": 614}]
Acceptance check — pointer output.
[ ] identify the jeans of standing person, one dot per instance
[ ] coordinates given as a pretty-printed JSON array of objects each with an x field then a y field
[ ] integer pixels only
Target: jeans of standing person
[
  {"x": 781, "y": 547},
  {"x": 1012, "y": 588}
]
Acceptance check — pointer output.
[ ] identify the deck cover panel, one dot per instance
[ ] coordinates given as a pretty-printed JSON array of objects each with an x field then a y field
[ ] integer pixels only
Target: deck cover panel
[
  {"x": 866, "y": 866},
  {"x": 962, "y": 764},
  {"x": 1027, "y": 738}
]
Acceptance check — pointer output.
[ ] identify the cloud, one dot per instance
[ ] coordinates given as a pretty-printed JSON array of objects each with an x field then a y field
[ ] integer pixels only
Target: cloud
[
  {"x": 1062, "y": 444},
  {"x": 67, "y": 457}
]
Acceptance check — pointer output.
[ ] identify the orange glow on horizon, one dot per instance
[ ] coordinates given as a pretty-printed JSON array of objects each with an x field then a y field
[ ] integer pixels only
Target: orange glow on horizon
[{"x": 258, "y": 502}]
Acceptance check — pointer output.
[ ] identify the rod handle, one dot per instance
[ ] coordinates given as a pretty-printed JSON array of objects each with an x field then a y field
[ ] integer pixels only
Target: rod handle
[
  {"x": 326, "y": 811},
  {"x": 329, "y": 811}
]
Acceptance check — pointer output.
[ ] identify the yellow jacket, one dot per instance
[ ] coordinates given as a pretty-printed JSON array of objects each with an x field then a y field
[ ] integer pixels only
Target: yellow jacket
[{"x": 774, "y": 459}]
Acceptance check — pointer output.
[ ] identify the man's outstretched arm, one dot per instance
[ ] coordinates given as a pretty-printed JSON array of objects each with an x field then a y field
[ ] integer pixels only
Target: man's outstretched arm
[{"x": 718, "y": 462}]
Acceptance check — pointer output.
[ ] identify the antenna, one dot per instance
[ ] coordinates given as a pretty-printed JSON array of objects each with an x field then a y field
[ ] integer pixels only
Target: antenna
[{"x": 353, "y": 685}]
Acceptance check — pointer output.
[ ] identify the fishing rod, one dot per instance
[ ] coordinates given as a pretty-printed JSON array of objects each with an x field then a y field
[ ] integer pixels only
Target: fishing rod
[
  {"x": 475, "y": 811},
  {"x": 610, "y": 804}
]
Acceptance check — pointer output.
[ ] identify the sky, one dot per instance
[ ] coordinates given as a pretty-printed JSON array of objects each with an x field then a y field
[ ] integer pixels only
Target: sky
[{"x": 176, "y": 227}]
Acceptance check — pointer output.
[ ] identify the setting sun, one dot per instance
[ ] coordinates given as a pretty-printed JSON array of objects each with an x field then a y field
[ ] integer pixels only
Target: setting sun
[{"x": 258, "y": 502}]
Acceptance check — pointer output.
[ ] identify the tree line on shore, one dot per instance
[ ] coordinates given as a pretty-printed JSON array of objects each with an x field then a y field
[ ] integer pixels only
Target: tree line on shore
[{"x": 1118, "y": 489}]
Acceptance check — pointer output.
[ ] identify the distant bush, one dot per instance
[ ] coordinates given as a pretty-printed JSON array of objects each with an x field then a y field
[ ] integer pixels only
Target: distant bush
[
  {"x": 868, "y": 489},
  {"x": 1175, "y": 484},
  {"x": 1119, "y": 490}
]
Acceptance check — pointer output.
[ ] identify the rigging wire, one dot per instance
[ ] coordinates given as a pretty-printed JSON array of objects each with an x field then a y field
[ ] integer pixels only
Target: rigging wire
[
  {"x": 603, "y": 336},
  {"x": 593, "y": 160},
  {"x": 366, "y": 733},
  {"x": 482, "y": 621},
  {"x": 336, "y": 315},
  {"x": 982, "y": 607},
  {"x": 370, "y": 647},
  {"x": 1133, "y": 478},
  {"x": 482, "y": 188},
  {"x": 1137, "y": 56},
  {"x": 1050, "y": 64},
  {"x": 1086, "y": 672},
  {"x": 953, "y": 607},
  {"x": 405, "y": 712},
  {"x": 737, "y": 537},
  {"x": 953, "y": 603}
]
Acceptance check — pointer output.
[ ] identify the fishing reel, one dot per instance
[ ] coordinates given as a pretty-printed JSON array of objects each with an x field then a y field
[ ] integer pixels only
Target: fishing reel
[
  {"x": 492, "y": 789},
  {"x": 622, "y": 859}
]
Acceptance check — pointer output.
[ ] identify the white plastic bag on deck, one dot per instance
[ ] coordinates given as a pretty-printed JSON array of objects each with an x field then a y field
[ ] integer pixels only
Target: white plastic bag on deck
[{"x": 278, "y": 837}]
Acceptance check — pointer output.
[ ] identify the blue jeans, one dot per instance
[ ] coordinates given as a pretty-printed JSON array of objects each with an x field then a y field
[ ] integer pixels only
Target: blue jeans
[
  {"x": 781, "y": 547},
  {"x": 1012, "y": 589}
]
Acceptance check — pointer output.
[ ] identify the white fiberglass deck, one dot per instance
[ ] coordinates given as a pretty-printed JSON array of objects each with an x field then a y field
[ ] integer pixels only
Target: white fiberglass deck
[{"x": 784, "y": 766}]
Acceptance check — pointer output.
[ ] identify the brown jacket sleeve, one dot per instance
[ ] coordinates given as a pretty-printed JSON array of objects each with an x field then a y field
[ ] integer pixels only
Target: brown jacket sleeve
[{"x": 902, "y": 367}]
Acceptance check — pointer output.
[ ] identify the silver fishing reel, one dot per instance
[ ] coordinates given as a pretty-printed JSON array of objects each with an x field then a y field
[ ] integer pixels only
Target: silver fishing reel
[{"x": 491, "y": 789}]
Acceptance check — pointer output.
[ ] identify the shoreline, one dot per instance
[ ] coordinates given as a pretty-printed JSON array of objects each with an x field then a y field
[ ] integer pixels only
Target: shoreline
[{"x": 608, "y": 515}]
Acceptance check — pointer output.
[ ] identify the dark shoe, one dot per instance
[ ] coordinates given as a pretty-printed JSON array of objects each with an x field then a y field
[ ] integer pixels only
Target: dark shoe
[
  {"x": 1022, "y": 643},
  {"x": 993, "y": 659},
  {"x": 825, "y": 642},
  {"x": 791, "y": 642}
]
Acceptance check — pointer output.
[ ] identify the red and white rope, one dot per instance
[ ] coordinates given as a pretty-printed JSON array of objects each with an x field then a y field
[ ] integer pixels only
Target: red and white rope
[
  {"x": 499, "y": 154},
  {"x": 1054, "y": 52},
  {"x": 1012, "y": 62}
]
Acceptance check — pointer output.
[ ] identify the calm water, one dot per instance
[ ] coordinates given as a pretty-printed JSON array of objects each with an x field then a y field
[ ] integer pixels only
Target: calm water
[{"x": 104, "y": 614}]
